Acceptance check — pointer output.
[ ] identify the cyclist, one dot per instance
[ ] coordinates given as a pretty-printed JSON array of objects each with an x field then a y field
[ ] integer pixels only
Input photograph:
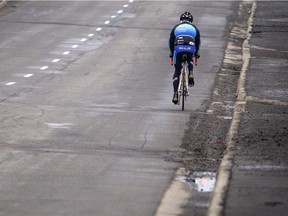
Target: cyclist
[{"x": 184, "y": 39}]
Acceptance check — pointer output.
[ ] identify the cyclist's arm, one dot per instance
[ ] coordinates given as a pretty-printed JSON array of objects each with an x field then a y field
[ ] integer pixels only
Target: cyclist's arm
[
  {"x": 171, "y": 43},
  {"x": 197, "y": 42}
]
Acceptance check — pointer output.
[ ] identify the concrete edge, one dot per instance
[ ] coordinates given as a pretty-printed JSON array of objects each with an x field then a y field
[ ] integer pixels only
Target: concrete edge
[
  {"x": 175, "y": 197},
  {"x": 217, "y": 202},
  {"x": 3, "y": 3}
]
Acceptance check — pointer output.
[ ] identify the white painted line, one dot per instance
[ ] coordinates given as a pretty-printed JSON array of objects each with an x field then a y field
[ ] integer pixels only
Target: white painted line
[
  {"x": 120, "y": 11},
  {"x": 60, "y": 125},
  {"x": 66, "y": 52},
  {"x": 28, "y": 75},
  {"x": 56, "y": 60},
  {"x": 10, "y": 83},
  {"x": 99, "y": 29},
  {"x": 113, "y": 17},
  {"x": 44, "y": 68},
  {"x": 107, "y": 22},
  {"x": 74, "y": 46},
  {"x": 90, "y": 35},
  {"x": 83, "y": 39},
  {"x": 125, "y": 6},
  {"x": 131, "y": 1}
]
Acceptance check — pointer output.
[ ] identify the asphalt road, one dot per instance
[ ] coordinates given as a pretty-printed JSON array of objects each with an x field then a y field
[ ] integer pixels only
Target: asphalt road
[{"x": 87, "y": 122}]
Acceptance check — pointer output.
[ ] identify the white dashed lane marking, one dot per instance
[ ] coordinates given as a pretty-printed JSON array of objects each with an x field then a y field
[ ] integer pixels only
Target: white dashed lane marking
[
  {"x": 75, "y": 45},
  {"x": 10, "y": 83},
  {"x": 56, "y": 60},
  {"x": 44, "y": 68},
  {"x": 59, "y": 125},
  {"x": 28, "y": 75}
]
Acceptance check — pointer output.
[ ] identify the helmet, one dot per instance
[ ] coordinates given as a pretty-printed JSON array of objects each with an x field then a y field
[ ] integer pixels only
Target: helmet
[{"x": 187, "y": 16}]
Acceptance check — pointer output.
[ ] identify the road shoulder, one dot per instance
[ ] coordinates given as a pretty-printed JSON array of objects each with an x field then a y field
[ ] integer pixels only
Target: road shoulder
[{"x": 259, "y": 176}]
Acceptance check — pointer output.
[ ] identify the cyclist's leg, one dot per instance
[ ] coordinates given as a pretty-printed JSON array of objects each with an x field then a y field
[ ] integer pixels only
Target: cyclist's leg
[
  {"x": 177, "y": 72},
  {"x": 176, "y": 76},
  {"x": 190, "y": 67},
  {"x": 190, "y": 62}
]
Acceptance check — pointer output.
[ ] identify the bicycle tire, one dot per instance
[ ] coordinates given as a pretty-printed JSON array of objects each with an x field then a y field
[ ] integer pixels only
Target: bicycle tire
[{"x": 183, "y": 94}]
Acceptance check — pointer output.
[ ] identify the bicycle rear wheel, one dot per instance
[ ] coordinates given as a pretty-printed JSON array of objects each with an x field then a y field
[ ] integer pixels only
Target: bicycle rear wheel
[{"x": 183, "y": 95}]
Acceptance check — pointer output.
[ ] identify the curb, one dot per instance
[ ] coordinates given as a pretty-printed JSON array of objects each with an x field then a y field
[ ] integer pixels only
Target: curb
[{"x": 217, "y": 203}]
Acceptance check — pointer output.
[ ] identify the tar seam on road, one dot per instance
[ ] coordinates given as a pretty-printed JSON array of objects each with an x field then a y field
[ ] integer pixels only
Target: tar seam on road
[{"x": 224, "y": 172}]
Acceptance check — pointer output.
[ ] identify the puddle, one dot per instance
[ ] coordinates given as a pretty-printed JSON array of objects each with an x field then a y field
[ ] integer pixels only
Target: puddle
[{"x": 200, "y": 181}]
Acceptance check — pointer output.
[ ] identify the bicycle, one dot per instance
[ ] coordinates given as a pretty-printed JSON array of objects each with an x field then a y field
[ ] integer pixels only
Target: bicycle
[{"x": 183, "y": 87}]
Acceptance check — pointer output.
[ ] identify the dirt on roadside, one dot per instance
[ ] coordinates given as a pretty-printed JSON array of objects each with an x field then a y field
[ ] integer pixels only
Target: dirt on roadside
[{"x": 205, "y": 138}]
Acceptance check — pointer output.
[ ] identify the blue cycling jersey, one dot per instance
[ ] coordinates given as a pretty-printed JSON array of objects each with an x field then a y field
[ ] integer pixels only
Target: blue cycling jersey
[
  {"x": 185, "y": 29},
  {"x": 184, "y": 37}
]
